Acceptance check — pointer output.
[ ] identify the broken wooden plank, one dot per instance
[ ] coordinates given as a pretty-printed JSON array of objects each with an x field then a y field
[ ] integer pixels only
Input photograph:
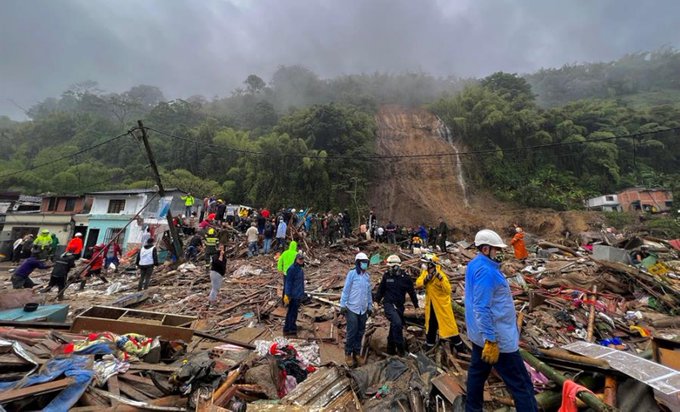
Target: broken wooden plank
[
  {"x": 14, "y": 394},
  {"x": 132, "y": 392},
  {"x": 153, "y": 405},
  {"x": 114, "y": 388}
]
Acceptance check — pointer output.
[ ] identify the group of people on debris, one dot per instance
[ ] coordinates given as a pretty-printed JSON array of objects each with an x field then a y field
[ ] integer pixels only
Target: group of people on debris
[
  {"x": 489, "y": 316},
  {"x": 103, "y": 256},
  {"x": 44, "y": 246}
]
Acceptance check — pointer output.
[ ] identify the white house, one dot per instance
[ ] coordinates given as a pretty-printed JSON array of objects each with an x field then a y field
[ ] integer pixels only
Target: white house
[
  {"x": 606, "y": 203},
  {"x": 112, "y": 210}
]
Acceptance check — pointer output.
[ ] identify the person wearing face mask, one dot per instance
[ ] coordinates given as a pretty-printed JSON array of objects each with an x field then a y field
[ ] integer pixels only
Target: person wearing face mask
[
  {"x": 492, "y": 327},
  {"x": 394, "y": 286},
  {"x": 439, "y": 319},
  {"x": 356, "y": 304}
]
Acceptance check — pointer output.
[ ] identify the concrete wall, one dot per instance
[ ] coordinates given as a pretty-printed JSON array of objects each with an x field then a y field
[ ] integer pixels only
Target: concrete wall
[
  {"x": 100, "y": 204},
  {"x": 57, "y": 224},
  {"x": 61, "y": 204},
  {"x": 651, "y": 198}
]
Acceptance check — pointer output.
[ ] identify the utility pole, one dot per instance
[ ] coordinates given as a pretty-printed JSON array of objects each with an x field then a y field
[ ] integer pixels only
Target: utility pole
[{"x": 177, "y": 244}]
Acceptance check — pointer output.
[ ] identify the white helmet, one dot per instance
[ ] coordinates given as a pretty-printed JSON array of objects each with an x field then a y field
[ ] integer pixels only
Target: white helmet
[
  {"x": 393, "y": 260},
  {"x": 360, "y": 256},
  {"x": 489, "y": 237},
  {"x": 292, "y": 210}
]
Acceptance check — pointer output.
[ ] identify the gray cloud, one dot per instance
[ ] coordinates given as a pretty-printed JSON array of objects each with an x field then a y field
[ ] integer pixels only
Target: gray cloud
[{"x": 208, "y": 47}]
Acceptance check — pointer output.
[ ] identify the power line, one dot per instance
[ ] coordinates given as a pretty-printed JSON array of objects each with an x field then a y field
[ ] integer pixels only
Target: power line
[
  {"x": 423, "y": 155},
  {"x": 72, "y": 155}
]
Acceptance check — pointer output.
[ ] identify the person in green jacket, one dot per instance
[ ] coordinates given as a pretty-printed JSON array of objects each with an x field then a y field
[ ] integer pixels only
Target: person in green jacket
[
  {"x": 55, "y": 244},
  {"x": 286, "y": 259},
  {"x": 189, "y": 201}
]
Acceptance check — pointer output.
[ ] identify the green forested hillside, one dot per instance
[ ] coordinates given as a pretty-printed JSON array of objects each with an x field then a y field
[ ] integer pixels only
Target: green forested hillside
[{"x": 299, "y": 138}]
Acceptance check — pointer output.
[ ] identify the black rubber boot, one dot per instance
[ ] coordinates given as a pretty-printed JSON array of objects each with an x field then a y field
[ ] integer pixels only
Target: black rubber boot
[
  {"x": 458, "y": 345},
  {"x": 391, "y": 348}
]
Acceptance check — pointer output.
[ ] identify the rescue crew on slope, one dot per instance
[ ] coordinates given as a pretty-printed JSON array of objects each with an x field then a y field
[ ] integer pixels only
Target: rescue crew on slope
[{"x": 492, "y": 328}]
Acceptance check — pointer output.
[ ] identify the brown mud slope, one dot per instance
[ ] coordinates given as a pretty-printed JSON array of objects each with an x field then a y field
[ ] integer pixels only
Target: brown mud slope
[{"x": 414, "y": 190}]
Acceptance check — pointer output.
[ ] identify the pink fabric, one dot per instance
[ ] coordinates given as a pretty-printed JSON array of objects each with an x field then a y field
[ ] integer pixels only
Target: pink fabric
[
  {"x": 569, "y": 391},
  {"x": 675, "y": 243}
]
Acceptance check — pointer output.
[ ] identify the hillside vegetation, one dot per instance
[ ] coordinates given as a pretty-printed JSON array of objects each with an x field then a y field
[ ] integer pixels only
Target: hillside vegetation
[{"x": 299, "y": 139}]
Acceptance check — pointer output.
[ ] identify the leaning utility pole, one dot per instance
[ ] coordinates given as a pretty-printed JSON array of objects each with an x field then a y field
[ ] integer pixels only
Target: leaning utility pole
[{"x": 177, "y": 244}]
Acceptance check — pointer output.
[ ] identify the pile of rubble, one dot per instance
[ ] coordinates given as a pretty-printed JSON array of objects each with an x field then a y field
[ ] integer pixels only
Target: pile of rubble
[{"x": 602, "y": 312}]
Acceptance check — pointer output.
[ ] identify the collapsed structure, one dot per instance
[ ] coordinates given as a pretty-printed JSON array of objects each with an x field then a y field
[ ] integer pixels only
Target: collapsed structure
[{"x": 591, "y": 317}]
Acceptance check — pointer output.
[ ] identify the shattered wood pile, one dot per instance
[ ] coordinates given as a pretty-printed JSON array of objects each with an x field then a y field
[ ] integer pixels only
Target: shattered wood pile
[{"x": 166, "y": 349}]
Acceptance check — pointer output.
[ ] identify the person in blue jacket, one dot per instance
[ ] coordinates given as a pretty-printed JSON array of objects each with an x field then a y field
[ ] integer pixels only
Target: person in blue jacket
[
  {"x": 21, "y": 276},
  {"x": 356, "y": 305},
  {"x": 492, "y": 328},
  {"x": 293, "y": 292}
]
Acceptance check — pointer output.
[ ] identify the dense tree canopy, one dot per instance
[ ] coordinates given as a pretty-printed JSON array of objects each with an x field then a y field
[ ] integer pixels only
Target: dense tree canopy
[{"x": 549, "y": 139}]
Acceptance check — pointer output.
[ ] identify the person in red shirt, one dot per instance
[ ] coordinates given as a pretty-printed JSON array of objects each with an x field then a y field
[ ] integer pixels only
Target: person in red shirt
[
  {"x": 96, "y": 263},
  {"x": 75, "y": 245}
]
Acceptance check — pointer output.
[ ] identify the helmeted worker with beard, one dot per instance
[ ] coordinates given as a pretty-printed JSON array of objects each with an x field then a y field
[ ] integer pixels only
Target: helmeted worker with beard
[
  {"x": 439, "y": 319},
  {"x": 394, "y": 286},
  {"x": 492, "y": 327}
]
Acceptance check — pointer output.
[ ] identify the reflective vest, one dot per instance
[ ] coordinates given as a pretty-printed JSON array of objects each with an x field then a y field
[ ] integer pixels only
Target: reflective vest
[
  {"x": 211, "y": 241},
  {"x": 146, "y": 256}
]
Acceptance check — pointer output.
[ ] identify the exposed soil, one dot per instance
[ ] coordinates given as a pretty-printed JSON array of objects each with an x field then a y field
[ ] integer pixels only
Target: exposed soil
[{"x": 415, "y": 190}]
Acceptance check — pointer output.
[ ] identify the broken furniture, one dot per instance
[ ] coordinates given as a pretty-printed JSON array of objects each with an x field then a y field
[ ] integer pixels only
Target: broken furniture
[{"x": 121, "y": 321}]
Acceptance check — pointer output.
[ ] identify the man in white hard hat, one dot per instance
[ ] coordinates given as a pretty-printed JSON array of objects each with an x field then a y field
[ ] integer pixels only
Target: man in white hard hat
[
  {"x": 394, "y": 286},
  {"x": 356, "y": 304},
  {"x": 492, "y": 327}
]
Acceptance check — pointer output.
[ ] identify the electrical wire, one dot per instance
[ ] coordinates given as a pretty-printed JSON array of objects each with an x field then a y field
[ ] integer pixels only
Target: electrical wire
[
  {"x": 72, "y": 155},
  {"x": 423, "y": 155}
]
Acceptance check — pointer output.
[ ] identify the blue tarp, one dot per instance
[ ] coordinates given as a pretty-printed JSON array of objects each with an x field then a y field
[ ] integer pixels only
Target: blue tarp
[{"x": 75, "y": 366}]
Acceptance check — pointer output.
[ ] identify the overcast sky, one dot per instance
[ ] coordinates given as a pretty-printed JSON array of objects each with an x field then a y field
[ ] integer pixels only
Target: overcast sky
[{"x": 208, "y": 47}]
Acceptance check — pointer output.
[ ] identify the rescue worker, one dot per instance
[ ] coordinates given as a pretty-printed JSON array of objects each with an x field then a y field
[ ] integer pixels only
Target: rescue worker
[
  {"x": 189, "y": 201},
  {"x": 211, "y": 241},
  {"x": 62, "y": 265},
  {"x": 21, "y": 276},
  {"x": 193, "y": 248},
  {"x": 293, "y": 292},
  {"x": 442, "y": 234},
  {"x": 252, "y": 237},
  {"x": 518, "y": 245},
  {"x": 356, "y": 305},
  {"x": 218, "y": 268},
  {"x": 394, "y": 286},
  {"x": 96, "y": 263},
  {"x": 75, "y": 245},
  {"x": 112, "y": 254},
  {"x": 16, "y": 249},
  {"x": 53, "y": 245},
  {"x": 492, "y": 327},
  {"x": 281, "y": 234},
  {"x": 43, "y": 244},
  {"x": 286, "y": 259},
  {"x": 27, "y": 246},
  {"x": 439, "y": 319},
  {"x": 147, "y": 258}
]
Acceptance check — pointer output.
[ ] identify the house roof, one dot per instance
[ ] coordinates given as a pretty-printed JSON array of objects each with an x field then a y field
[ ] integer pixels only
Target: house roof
[{"x": 132, "y": 191}]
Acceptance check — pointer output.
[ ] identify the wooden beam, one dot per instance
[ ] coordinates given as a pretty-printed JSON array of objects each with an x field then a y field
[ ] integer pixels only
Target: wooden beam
[
  {"x": 114, "y": 388},
  {"x": 14, "y": 394}
]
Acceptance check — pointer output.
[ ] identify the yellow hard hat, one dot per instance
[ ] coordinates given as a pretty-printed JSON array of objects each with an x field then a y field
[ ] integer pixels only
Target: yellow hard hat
[{"x": 211, "y": 231}]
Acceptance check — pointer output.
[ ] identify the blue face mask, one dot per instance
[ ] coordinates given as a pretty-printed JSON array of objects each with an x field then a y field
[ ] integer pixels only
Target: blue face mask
[{"x": 363, "y": 265}]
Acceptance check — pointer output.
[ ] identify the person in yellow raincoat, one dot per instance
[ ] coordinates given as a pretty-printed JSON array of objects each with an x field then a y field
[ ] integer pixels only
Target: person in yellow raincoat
[{"x": 439, "y": 318}]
